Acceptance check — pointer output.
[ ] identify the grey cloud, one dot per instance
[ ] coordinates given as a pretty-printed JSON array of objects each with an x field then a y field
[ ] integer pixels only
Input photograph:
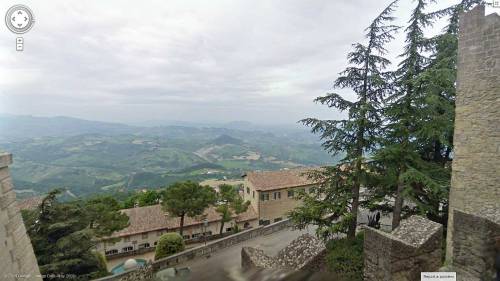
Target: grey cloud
[{"x": 262, "y": 61}]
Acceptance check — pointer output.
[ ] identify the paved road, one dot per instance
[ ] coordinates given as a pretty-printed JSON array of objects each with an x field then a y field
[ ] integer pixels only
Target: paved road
[{"x": 227, "y": 262}]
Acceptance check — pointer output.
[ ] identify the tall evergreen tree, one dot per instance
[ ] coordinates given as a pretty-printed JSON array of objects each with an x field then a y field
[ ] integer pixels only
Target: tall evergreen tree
[
  {"x": 398, "y": 153},
  {"x": 434, "y": 130},
  {"x": 416, "y": 151},
  {"x": 358, "y": 133}
]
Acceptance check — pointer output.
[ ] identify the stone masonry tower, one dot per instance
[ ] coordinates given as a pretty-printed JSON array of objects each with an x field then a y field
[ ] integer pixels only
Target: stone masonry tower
[
  {"x": 474, "y": 212},
  {"x": 17, "y": 260}
]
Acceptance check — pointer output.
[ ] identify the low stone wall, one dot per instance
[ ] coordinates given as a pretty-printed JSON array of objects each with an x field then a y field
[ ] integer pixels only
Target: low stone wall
[
  {"x": 474, "y": 246},
  {"x": 214, "y": 246},
  {"x": 303, "y": 253},
  {"x": 413, "y": 247},
  {"x": 151, "y": 249},
  {"x": 204, "y": 250}
]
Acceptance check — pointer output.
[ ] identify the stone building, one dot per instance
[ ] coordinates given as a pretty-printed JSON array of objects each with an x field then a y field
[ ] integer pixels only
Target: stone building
[
  {"x": 148, "y": 223},
  {"x": 272, "y": 193},
  {"x": 17, "y": 260},
  {"x": 474, "y": 212}
]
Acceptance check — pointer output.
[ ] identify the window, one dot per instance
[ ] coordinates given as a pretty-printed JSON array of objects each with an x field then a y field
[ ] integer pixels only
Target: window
[
  {"x": 246, "y": 225},
  {"x": 186, "y": 236},
  {"x": 264, "y": 196},
  {"x": 208, "y": 233},
  {"x": 156, "y": 243},
  {"x": 229, "y": 229},
  {"x": 128, "y": 249},
  {"x": 264, "y": 222},
  {"x": 277, "y": 219},
  {"x": 253, "y": 194},
  {"x": 126, "y": 239},
  {"x": 196, "y": 235},
  {"x": 111, "y": 252},
  {"x": 290, "y": 193},
  {"x": 248, "y": 190},
  {"x": 277, "y": 195},
  {"x": 160, "y": 233},
  {"x": 144, "y": 236},
  {"x": 145, "y": 245}
]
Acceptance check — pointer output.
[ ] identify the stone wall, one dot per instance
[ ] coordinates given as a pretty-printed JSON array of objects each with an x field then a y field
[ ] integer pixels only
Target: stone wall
[
  {"x": 413, "y": 247},
  {"x": 301, "y": 254},
  {"x": 474, "y": 247},
  {"x": 17, "y": 260},
  {"x": 204, "y": 250},
  {"x": 476, "y": 165}
]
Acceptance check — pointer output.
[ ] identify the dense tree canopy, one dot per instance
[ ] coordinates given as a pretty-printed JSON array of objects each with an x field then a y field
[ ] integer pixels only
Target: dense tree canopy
[
  {"x": 398, "y": 133},
  {"x": 64, "y": 235},
  {"x": 187, "y": 199},
  {"x": 143, "y": 198},
  {"x": 414, "y": 160}
]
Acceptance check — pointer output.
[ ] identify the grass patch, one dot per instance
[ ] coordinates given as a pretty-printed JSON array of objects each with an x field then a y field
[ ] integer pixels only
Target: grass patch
[{"x": 345, "y": 258}]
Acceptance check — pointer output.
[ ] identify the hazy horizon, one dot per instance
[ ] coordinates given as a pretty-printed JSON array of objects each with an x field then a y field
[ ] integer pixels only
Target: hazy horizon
[
  {"x": 168, "y": 122},
  {"x": 262, "y": 62}
]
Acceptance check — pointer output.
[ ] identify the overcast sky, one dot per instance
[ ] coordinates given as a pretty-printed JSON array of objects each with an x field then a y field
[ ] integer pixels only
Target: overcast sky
[{"x": 203, "y": 61}]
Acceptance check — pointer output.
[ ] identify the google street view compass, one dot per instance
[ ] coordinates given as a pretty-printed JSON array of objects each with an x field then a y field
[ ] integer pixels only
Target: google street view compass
[{"x": 19, "y": 19}]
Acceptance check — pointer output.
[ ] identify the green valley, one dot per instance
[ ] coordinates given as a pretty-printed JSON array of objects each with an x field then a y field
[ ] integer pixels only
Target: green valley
[{"x": 112, "y": 157}]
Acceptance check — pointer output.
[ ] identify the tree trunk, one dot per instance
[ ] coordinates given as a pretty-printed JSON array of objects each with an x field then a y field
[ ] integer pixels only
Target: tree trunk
[
  {"x": 360, "y": 146},
  {"x": 360, "y": 142},
  {"x": 398, "y": 204},
  {"x": 181, "y": 227},
  {"x": 221, "y": 226},
  {"x": 351, "y": 232}
]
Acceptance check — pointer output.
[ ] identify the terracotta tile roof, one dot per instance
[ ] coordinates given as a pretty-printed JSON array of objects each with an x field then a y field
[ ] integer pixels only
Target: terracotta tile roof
[
  {"x": 271, "y": 180},
  {"x": 151, "y": 218},
  {"x": 29, "y": 203}
]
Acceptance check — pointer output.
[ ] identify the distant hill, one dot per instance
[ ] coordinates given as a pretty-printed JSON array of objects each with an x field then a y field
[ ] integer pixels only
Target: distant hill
[
  {"x": 20, "y": 127},
  {"x": 225, "y": 139},
  {"x": 88, "y": 157}
]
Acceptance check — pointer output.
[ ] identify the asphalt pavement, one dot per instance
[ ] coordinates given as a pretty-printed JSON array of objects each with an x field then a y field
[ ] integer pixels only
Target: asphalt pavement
[{"x": 226, "y": 264}]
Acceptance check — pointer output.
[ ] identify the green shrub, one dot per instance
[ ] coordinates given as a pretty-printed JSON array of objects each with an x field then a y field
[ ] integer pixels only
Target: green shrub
[
  {"x": 345, "y": 258},
  {"x": 102, "y": 271},
  {"x": 236, "y": 228},
  {"x": 169, "y": 244}
]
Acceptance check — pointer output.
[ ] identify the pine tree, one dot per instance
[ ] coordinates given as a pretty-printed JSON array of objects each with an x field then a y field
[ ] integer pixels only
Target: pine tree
[
  {"x": 415, "y": 157},
  {"x": 357, "y": 134},
  {"x": 187, "y": 198},
  {"x": 399, "y": 152},
  {"x": 435, "y": 127},
  {"x": 229, "y": 203}
]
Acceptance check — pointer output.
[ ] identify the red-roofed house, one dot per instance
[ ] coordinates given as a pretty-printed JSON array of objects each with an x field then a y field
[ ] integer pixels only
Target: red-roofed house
[
  {"x": 271, "y": 193},
  {"x": 148, "y": 223}
]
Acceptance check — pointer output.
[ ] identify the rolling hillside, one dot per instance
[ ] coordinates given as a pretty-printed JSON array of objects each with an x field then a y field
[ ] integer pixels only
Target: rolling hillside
[{"x": 114, "y": 157}]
